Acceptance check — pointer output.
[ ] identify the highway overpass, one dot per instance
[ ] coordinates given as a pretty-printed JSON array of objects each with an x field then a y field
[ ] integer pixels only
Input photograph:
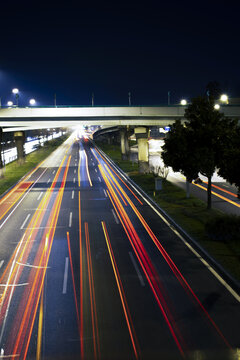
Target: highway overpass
[{"x": 15, "y": 119}]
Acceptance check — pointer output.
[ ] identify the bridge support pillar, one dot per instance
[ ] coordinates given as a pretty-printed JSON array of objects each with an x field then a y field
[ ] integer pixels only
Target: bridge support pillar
[
  {"x": 19, "y": 137},
  {"x": 124, "y": 144},
  {"x": 142, "y": 134},
  {"x": 1, "y": 161}
]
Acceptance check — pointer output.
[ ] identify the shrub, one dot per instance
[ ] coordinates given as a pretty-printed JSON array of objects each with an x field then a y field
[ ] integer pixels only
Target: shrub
[{"x": 224, "y": 228}]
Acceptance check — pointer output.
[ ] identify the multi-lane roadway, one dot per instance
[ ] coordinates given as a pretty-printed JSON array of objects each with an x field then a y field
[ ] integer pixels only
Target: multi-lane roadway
[{"x": 90, "y": 269}]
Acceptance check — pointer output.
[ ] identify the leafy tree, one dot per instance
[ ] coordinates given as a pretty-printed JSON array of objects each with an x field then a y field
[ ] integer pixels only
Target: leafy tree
[
  {"x": 178, "y": 154},
  {"x": 229, "y": 161},
  {"x": 195, "y": 147},
  {"x": 208, "y": 129}
]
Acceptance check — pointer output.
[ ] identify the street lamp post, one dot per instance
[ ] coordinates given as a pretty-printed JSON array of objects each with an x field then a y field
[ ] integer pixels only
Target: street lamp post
[
  {"x": 183, "y": 102},
  {"x": 15, "y": 91},
  {"x": 32, "y": 101}
]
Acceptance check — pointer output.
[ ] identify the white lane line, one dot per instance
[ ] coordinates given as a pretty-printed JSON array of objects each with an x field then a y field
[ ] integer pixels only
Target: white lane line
[
  {"x": 105, "y": 193},
  {"x": 65, "y": 277},
  {"x": 70, "y": 219},
  {"x": 99, "y": 179},
  {"x": 1, "y": 263},
  {"x": 39, "y": 196},
  {"x": 23, "y": 197},
  {"x": 74, "y": 179},
  {"x": 53, "y": 172},
  {"x": 115, "y": 216},
  {"x": 137, "y": 269},
  {"x": 73, "y": 194},
  {"x": 48, "y": 181},
  {"x": 217, "y": 276},
  {"x": 24, "y": 223},
  {"x": 74, "y": 171},
  {"x": 95, "y": 170}
]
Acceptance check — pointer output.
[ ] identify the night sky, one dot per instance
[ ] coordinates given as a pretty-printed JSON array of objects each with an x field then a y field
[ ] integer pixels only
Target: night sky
[{"x": 74, "y": 48}]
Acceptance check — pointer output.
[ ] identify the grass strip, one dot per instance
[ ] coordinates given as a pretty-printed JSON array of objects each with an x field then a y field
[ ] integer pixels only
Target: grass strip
[
  {"x": 13, "y": 172},
  {"x": 191, "y": 214}
]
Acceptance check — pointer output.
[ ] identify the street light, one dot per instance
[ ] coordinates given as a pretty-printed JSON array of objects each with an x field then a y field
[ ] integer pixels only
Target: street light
[
  {"x": 15, "y": 91},
  {"x": 224, "y": 98},
  {"x": 10, "y": 103},
  {"x": 216, "y": 106},
  {"x": 32, "y": 101},
  {"x": 183, "y": 102}
]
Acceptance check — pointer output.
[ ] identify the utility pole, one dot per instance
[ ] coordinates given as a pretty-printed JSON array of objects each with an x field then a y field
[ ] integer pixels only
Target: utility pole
[
  {"x": 168, "y": 97},
  {"x": 92, "y": 99},
  {"x": 129, "y": 99},
  {"x": 55, "y": 100}
]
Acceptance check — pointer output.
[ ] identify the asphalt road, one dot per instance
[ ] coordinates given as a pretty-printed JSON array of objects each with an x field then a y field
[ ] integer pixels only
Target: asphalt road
[{"x": 91, "y": 270}]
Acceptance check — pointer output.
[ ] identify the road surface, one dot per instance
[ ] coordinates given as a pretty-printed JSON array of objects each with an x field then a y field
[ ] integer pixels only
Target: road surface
[{"x": 91, "y": 270}]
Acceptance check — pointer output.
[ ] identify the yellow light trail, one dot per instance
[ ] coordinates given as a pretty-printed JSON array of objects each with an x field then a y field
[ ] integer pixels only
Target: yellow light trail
[
  {"x": 220, "y": 196},
  {"x": 121, "y": 291},
  {"x": 89, "y": 179},
  {"x": 96, "y": 345}
]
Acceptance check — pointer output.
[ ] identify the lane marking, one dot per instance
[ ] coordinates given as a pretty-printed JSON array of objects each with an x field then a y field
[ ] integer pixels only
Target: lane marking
[
  {"x": 65, "y": 276},
  {"x": 48, "y": 181},
  {"x": 73, "y": 194},
  {"x": 137, "y": 269},
  {"x": 39, "y": 196},
  {"x": 115, "y": 216},
  {"x": 8, "y": 285},
  {"x": 70, "y": 220},
  {"x": 75, "y": 171},
  {"x": 95, "y": 170},
  {"x": 53, "y": 172},
  {"x": 105, "y": 193},
  {"x": 99, "y": 179},
  {"x": 74, "y": 179},
  {"x": 1, "y": 263},
  {"x": 218, "y": 277},
  {"x": 33, "y": 266},
  {"x": 25, "y": 221}
]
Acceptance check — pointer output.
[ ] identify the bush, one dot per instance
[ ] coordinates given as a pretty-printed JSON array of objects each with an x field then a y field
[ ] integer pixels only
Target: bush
[{"x": 224, "y": 228}]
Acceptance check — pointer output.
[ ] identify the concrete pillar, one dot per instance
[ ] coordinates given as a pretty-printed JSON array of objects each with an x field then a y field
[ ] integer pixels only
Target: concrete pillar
[
  {"x": 1, "y": 161},
  {"x": 124, "y": 144},
  {"x": 19, "y": 137},
  {"x": 142, "y": 134}
]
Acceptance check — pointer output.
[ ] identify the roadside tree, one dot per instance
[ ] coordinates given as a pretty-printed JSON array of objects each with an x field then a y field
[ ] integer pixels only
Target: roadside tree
[
  {"x": 195, "y": 147},
  {"x": 177, "y": 153},
  {"x": 229, "y": 161}
]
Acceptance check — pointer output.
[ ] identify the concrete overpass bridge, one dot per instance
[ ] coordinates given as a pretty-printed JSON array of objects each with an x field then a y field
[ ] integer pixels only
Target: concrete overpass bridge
[{"x": 18, "y": 120}]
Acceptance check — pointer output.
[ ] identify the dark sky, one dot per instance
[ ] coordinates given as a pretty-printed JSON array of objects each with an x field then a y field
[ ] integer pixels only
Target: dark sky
[{"x": 74, "y": 48}]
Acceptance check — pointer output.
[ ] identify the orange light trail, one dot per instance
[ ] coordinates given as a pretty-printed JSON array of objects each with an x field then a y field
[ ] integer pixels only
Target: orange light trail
[
  {"x": 22, "y": 187},
  {"x": 119, "y": 178},
  {"x": 37, "y": 273},
  {"x": 89, "y": 179},
  {"x": 169, "y": 261},
  {"x": 81, "y": 277},
  {"x": 74, "y": 286},
  {"x": 220, "y": 196},
  {"x": 96, "y": 345},
  {"x": 37, "y": 285},
  {"x": 37, "y": 217},
  {"x": 121, "y": 292}
]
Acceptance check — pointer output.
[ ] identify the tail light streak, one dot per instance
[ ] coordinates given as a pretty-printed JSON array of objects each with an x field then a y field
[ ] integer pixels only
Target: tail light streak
[
  {"x": 96, "y": 345},
  {"x": 32, "y": 294},
  {"x": 121, "y": 293},
  {"x": 146, "y": 262}
]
